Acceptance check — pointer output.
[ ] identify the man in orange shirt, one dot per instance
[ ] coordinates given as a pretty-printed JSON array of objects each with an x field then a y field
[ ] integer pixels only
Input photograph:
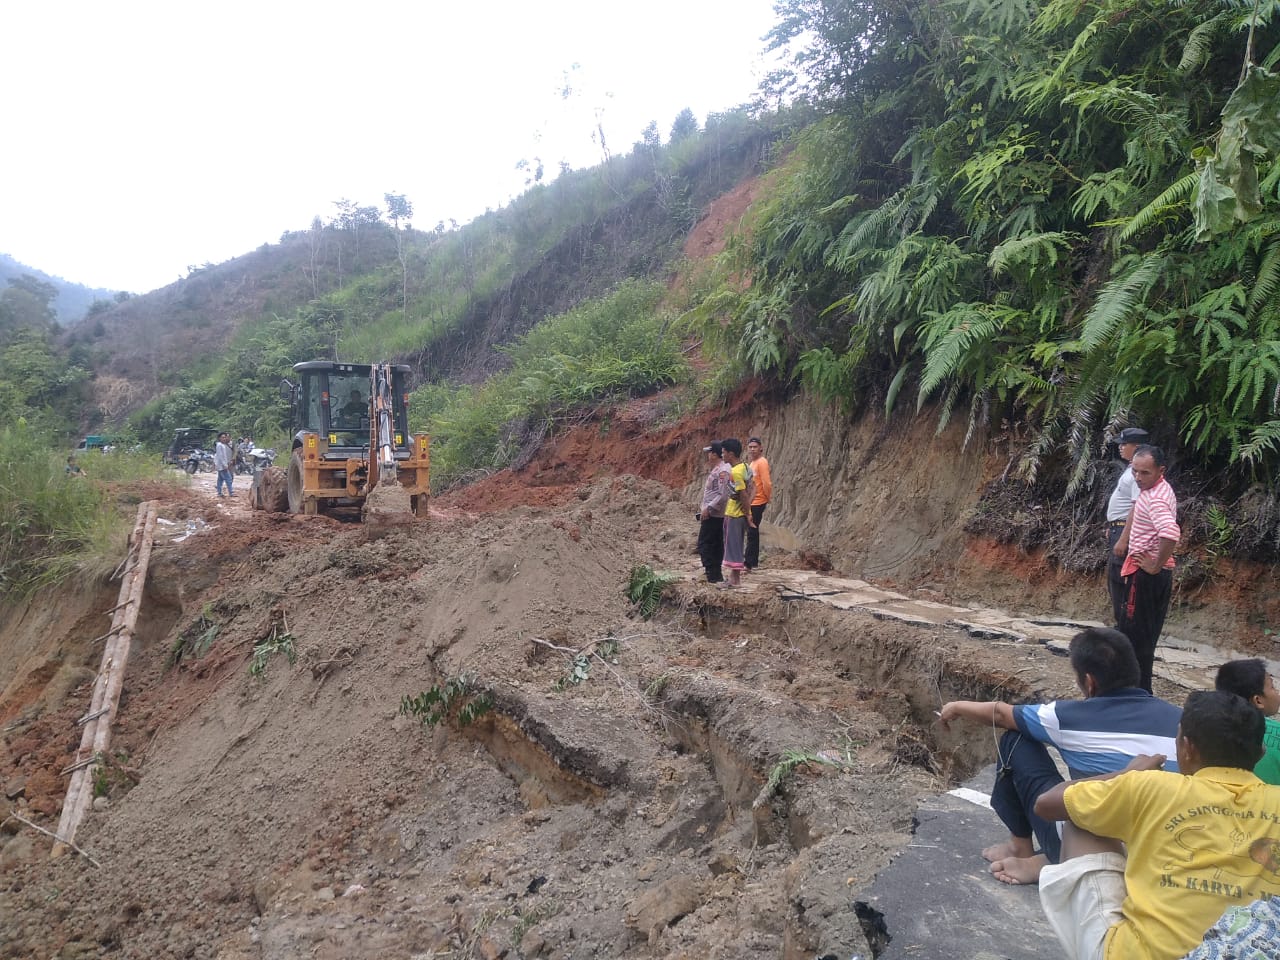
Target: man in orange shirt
[{"x": 764, "y": 490}]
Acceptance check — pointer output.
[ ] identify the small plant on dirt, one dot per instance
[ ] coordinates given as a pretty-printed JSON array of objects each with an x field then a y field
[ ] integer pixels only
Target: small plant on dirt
[
  {"x": 656, "y": 686},
  {"x": 580, "y": 665},
  {"x": 644, "y": 590},
  {"x": 195, "y": 641},
  {"x": 527, "y": 919},
  {"x": 457, "y": 697},
  {"x": 111, "y": 771},
  {"x": 786, "y": 764},
  {"x": 101, "y": 782},
  {"x": 277, "y": 641},
  {"x": 1220, "y": 530}
]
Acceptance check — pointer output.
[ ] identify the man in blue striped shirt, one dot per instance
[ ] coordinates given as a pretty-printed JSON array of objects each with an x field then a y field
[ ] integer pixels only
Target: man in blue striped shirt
[{"x": 1117, "y": 721}]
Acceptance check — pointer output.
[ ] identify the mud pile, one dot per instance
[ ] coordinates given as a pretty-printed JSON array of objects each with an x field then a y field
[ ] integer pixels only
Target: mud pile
[{"x": 718, "y": 781}]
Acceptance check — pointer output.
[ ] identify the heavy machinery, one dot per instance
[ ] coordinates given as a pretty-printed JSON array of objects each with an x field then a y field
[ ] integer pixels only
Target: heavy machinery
[{"x": 351, "y": 442}]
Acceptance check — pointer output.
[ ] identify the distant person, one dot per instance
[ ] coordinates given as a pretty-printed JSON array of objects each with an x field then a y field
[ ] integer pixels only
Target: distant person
[
  {"x": 1116, "y": 721},
  {"x": 356, "y": 406},
  {"x": 764, "y": 491},
  {"x": 73, "y": 468},
  {"x": 1151, "y": 859},
  {"x": 1118, "y": 507},
  {"x": 710, "y": 515},
  {"x": 1147, "y": 544},
  {"x": 737, "y": 514},
  {"x": 1249, "y": 679},
  {"x": 223, "y": 457}
]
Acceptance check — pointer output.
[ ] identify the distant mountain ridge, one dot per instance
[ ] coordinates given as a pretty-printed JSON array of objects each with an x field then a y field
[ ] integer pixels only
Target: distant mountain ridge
[{"x": 73, "y": 300}]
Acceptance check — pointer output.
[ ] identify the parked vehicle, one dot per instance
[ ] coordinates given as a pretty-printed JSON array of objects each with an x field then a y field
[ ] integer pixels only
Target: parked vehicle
[
  {"x": 186, "y": 441},
  {"x": 259, "y": 458},
  {"x": 196, "y": 461}
]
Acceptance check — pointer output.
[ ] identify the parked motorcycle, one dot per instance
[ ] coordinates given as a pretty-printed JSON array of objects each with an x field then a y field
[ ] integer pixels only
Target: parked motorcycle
[
  {"x": 259, "y": 458},
  {"x": 197, "y": 461}
]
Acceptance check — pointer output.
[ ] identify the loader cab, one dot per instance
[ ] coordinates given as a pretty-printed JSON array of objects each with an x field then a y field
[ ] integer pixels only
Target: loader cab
[{"x": 332, "y": 400}]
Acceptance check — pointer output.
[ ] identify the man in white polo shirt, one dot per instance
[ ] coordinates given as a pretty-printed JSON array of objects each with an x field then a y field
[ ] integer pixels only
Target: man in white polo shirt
[{"x": 1147, "y": 543}]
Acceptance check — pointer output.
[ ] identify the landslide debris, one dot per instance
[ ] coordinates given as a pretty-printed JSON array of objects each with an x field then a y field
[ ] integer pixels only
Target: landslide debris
[{"x": 719, "y": 781}]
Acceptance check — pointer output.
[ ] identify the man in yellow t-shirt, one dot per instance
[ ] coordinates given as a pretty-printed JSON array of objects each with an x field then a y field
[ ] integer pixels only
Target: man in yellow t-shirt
[
  {"x": 737, "y": 515},
  {"x": 1198, "y": 842}
]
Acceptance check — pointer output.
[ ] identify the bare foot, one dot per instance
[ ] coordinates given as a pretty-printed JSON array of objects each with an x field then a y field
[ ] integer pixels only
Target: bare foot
[
  {"x": 1016, "y": 870},
  {"x": 1013, "y": 847}
]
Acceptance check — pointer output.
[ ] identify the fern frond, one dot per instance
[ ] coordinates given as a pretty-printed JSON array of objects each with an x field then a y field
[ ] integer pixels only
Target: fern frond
[
  {"x": 1029, "y": 250},
  {"x": 1174, "y": 195},
  {"x": 1199, "y": 46},
  {"x": 1118, "y": 300},
  {"x": 1267, "y": 284}
]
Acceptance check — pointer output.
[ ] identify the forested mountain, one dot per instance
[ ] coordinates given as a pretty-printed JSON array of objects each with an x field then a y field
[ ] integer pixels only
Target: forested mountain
[{"x": 71, "y": 302}]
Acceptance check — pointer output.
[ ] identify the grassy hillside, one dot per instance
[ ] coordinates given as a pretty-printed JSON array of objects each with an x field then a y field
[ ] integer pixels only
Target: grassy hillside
[{"x": 366, "y": 286}]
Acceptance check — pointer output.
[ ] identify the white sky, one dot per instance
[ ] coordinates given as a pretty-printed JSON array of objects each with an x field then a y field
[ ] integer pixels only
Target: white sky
[{"x": 143, "y": 137}]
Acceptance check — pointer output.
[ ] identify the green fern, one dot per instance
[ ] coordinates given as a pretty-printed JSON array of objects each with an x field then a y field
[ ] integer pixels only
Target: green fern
[{"x": 645, "y": 587}]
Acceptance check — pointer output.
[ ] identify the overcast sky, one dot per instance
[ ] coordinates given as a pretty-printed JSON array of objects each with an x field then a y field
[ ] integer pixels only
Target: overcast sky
[{"x": 143, "y": 137}]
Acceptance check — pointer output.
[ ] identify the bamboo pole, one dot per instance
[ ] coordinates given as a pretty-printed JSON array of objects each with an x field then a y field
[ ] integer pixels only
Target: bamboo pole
[{"x": 96, "y": 736}]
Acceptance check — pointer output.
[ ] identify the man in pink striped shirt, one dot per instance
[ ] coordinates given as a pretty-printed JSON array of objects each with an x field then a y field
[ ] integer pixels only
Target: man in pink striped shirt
[{"x": 1147, "y": 543}]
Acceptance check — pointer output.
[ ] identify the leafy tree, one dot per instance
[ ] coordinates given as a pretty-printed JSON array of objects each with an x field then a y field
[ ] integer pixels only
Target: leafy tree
[
  {"x": 399, "y": 208},
  {"x": 683, "y": 127}
]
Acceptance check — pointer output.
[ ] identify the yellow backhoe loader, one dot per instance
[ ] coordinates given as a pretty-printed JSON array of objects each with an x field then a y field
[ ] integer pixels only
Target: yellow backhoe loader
[{"x": 351, "y": 444}]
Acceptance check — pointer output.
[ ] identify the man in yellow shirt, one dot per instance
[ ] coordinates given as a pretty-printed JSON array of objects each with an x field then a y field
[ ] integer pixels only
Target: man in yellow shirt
[
  {"x": 1198, "y": 842},
  {"x": 764, "y": 491},
  {"x": 737, "y": 515}
]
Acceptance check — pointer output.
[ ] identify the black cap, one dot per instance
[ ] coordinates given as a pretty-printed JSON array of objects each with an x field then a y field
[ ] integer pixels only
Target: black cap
[
  {"x": 1133, "y": 435},
  {"x": 715, "y": 448}
]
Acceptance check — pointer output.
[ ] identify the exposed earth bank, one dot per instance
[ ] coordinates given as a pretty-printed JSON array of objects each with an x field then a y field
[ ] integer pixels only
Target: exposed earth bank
[{"x": 722, "y": 780}]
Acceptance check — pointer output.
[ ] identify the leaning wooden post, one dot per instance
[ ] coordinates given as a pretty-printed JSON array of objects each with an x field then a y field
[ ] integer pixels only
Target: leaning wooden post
[{"x": 107, "y": 686}]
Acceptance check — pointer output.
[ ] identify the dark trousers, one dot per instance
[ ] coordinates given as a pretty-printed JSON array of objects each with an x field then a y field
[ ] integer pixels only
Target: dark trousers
[
  {"x": 1025, "y": 771},
  {"x": 752, "y": 559},
  {"x": 1141, "y": 616},
  {"x": 711, "y": 547},
  {"x": 1115, "y": 582}
]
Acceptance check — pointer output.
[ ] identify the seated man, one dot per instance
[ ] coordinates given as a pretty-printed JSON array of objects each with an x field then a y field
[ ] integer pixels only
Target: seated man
[
  {"x": 1249, "y": 679},
  {"x": 1116, "y": 721},
  {"x": 355, "y": 407},
  {"x": 1199, "y": 841}
]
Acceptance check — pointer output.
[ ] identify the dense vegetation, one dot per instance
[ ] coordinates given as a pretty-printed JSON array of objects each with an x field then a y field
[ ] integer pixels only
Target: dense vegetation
[
  {"x": 41, "y": 384},
  {"x": 54, "y": 523},
  {"x": 1059, "y": 214}
]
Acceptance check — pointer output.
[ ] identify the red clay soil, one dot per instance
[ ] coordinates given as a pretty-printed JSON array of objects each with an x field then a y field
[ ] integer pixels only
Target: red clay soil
[{"x": 627, "y": 442}]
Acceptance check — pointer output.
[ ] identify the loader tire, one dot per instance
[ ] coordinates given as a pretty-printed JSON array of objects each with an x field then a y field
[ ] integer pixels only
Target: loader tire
[
  {"x": 270, "y": 490},
  {"x": 296, "y": 500}
]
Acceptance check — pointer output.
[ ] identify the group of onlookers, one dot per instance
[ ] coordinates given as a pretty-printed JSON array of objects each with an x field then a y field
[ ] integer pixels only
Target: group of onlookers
[
  {"x": 1165, "y": 841},
  {"x": 734, "y": 496}
]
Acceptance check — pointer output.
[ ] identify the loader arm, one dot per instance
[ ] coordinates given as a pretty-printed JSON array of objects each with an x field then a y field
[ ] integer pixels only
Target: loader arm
[{"x": 382, "y": 426}]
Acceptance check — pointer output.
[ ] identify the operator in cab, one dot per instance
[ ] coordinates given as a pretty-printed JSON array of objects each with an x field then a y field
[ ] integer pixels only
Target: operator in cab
[{"x": 357, "y": 406}]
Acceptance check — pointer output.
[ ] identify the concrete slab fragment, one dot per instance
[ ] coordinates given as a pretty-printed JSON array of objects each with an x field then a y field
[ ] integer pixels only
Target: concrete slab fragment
[
  {"x": 986, "y": 631},
  {"x": 888, "y": 613},
  {"x": 851, "y": 599},
  {"x": 940, "y": 902},
  {"x": 1040, "y": 632}
]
